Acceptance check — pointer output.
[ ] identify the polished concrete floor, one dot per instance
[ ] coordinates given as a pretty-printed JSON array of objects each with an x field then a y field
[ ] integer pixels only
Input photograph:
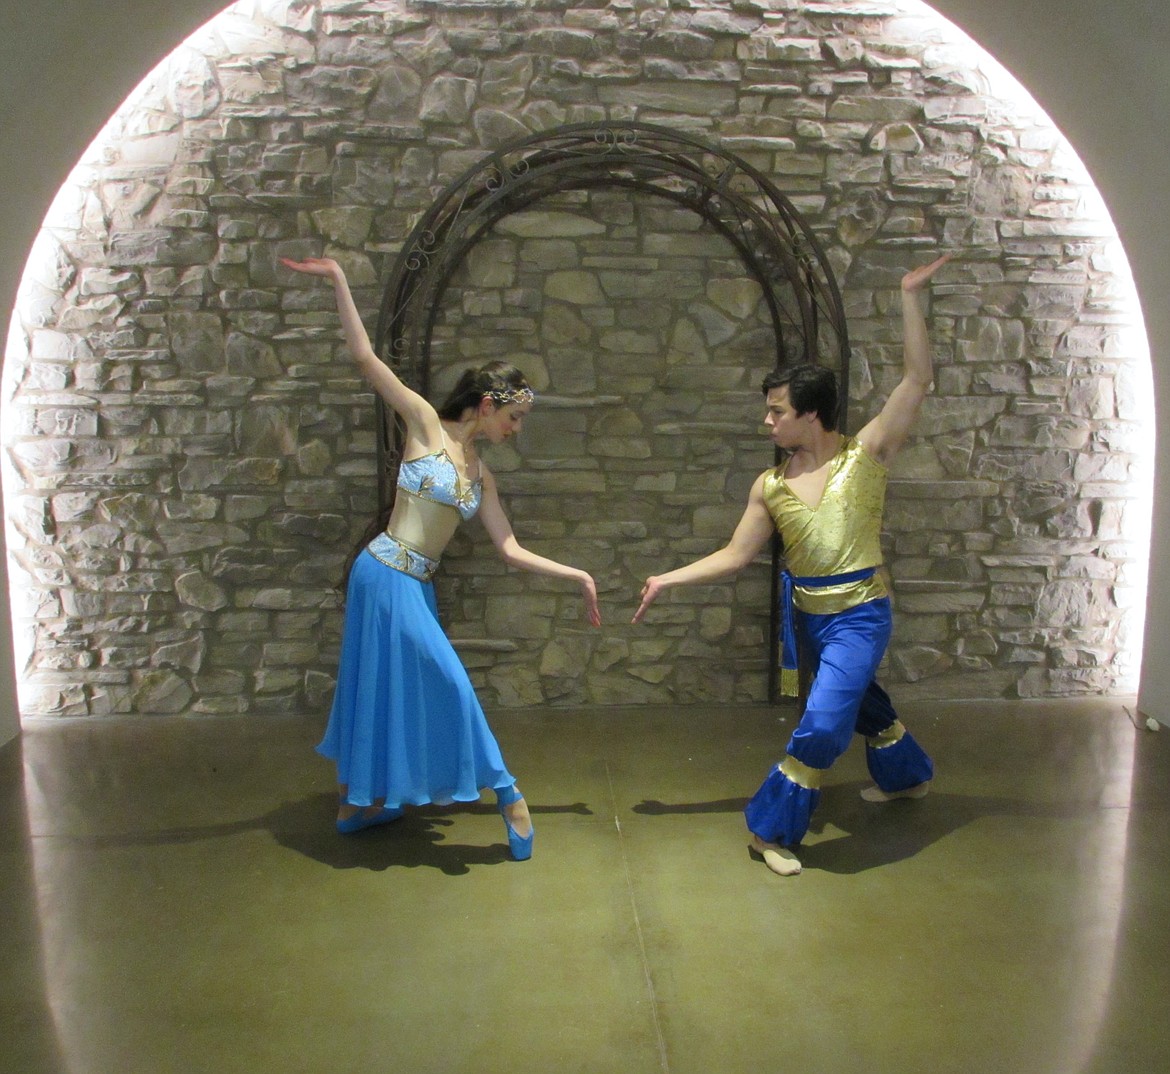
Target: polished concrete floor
[{"x": 175, "y": 900}]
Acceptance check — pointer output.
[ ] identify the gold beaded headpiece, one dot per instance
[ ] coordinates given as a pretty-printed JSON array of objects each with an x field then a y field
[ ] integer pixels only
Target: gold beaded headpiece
[{"x": 509, "y": 396}]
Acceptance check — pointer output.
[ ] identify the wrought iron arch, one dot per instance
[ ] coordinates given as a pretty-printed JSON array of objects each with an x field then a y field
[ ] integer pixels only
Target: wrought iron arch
[{"x": 777, "y": 246}]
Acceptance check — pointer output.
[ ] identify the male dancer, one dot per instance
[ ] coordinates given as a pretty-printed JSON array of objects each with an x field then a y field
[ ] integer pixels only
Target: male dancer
[{"x": 826, "y": 499}]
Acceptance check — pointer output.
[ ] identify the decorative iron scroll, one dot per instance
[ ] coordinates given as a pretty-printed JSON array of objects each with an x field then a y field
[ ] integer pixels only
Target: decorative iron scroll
[{"x": 776, "y": 245}]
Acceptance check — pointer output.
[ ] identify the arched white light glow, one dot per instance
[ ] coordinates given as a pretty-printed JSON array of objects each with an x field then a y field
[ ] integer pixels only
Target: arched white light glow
[
  {"x": 1110, "y": 836},
  {"x": 242, "y": 28},
  {"x": 1135, "y": 384}
]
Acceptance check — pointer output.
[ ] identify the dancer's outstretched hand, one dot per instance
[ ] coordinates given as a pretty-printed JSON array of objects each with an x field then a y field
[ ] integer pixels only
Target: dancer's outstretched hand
[
  {"x": 314, "y": 266},
  {"x": 650, "y": 593},
  {"x": 917, "y": 279}
]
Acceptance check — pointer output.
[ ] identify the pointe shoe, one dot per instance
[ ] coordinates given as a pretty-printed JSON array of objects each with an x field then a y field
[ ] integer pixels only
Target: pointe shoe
[
  {"x": 360, "y": 820},
  {"x": 876, "y": 794},
  {"x": 519, "y": 845}
]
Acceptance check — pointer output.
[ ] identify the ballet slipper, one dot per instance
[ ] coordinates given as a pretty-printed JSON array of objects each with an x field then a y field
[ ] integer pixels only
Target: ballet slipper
[{"x": 519, "y": 845}]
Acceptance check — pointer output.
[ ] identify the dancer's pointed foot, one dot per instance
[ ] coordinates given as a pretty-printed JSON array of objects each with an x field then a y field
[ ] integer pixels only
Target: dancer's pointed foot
[
  {"x": 518, "y": 822},
  {"x": 779, "y": 859},
  {"x": 876, "y": 794}
]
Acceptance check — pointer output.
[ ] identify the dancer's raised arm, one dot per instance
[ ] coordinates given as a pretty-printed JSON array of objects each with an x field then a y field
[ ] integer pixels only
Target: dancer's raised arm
[
  {"x": 422, "y": 423},
  {"x": 886, "y": 433}
]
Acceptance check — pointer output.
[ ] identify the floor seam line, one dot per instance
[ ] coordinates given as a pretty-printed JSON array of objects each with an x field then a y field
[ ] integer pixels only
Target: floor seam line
[{"x": 663, "y": 1058}]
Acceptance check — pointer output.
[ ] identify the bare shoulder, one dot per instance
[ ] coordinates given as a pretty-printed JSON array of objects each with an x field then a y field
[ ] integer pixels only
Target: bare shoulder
[
  {"x": 762, "y": 487},
  {"x": 424, "y": 431},
  {"x": 757, "y": 490}
]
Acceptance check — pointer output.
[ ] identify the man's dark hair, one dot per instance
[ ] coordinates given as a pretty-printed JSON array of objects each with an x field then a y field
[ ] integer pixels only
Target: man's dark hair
[{"x": 811, "y": 388}]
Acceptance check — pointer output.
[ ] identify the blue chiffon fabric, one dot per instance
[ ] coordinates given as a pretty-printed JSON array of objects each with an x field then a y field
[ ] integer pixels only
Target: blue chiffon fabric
[{"x": 406, "y": 727}]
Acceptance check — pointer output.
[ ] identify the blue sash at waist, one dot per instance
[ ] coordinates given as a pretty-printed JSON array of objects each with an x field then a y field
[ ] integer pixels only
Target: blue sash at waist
[{"x": 789, "y": 581}]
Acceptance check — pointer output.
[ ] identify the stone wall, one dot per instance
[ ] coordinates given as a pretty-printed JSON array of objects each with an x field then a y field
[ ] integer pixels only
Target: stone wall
[
  {"x": 647, "y": 340},
  {"x": 189, "y": 454}
]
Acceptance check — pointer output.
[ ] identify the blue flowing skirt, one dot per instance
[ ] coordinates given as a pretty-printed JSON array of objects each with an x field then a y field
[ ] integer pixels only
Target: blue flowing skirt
[{"x": 406, "y": 727}]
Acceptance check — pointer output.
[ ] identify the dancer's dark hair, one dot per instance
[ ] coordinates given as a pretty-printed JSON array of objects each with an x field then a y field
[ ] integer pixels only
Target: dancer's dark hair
[{"x": 811, "y": 389}]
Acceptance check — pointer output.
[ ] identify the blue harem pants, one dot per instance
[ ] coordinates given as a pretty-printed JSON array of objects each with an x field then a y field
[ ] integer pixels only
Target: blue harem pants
[{"x": 845, "y": 649}]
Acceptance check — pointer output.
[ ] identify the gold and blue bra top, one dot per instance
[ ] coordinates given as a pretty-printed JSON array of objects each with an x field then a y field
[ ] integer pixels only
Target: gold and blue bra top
[{"x": 434, "y": 477}]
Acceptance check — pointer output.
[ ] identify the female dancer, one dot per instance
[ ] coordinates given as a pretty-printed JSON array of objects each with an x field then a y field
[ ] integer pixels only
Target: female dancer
[{"x": 406, "y": 727}]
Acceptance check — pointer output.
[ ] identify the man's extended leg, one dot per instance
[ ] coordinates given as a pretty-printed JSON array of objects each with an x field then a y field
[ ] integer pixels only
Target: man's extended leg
[{"x": 847, "y": 648}]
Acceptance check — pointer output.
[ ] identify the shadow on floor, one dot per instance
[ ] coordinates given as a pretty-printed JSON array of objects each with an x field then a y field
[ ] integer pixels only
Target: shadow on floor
[
  {"x": 418, "y": 840},
  {"x": 849, "y": 835}
]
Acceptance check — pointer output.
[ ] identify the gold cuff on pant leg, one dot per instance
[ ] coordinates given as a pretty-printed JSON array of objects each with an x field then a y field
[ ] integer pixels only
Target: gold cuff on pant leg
[
  {"x": 889, "y": 737},
  {"x": 801, "y": 774}
]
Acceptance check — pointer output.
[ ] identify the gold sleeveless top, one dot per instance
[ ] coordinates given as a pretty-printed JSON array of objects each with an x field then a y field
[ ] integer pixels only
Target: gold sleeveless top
[{"x": 840, "y": 534}]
